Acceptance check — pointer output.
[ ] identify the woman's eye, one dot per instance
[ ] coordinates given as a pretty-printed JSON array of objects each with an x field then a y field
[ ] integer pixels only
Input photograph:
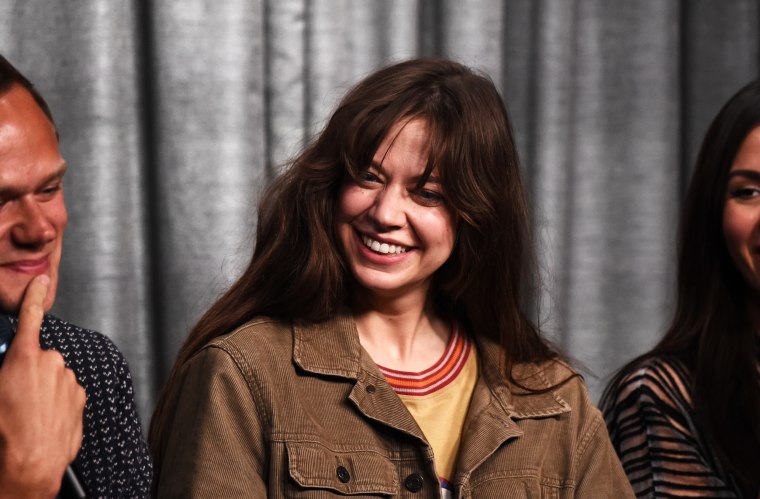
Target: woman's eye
[
  {"x": 428, "y": 197},
  {"x": 367, "y": 176},
  {"x": 745, "y": 192}
]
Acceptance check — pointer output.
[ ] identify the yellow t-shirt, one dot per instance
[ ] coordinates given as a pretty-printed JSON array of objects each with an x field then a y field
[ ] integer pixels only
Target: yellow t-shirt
[{"x": 438, "y": 398}]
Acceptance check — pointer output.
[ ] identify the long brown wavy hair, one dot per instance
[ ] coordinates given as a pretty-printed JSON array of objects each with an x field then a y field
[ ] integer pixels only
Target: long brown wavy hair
[
  {"x": 297, "y": 272},
  {"x": 711, "y": 330}
]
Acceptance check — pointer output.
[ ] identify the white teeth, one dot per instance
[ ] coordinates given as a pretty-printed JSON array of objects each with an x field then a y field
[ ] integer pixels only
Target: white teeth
[{"x": 383, "y": 248}]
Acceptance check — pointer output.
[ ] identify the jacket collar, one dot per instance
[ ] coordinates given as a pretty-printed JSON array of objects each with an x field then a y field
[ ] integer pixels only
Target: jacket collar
[
  {"x": 536, "y": 398},
  {"x": 332, "y": 348}
]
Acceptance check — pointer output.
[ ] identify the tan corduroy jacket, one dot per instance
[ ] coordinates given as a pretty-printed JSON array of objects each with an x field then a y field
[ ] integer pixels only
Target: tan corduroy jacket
[{"x": 281, "y": 411}]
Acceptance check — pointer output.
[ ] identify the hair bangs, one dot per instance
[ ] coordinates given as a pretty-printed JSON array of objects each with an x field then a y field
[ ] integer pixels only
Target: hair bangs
[{"x": 366, "y": 129}]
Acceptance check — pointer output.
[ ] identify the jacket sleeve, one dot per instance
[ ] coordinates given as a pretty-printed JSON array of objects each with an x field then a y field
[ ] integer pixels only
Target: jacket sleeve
[
  {"x": 598, "y": 470},
  {"x": 215, "y": 445},
  {"x": 652, "y": 430}
]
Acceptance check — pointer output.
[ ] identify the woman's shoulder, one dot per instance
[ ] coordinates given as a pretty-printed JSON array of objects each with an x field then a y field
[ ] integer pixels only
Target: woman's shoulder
[
  {"x": 558, "y": 370},
  {"x": 259, "y": 338},
  {"x": 659, "y": 377},
  {"x": 254, "y": 349},
  {"x": 548, "y": 374},
  {"x": 553, "y": 378},
  {"x": 650, "y": 388}
]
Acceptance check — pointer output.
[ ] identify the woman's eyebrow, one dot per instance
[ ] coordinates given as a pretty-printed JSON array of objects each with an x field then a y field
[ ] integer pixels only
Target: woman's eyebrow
[
  {"x": 751, "y": 174},
  {"x": 433, "y": 178}
]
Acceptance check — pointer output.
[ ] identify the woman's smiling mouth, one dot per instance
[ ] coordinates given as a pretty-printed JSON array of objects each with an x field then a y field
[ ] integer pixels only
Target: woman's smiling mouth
[{"x": 383, "y": 248}]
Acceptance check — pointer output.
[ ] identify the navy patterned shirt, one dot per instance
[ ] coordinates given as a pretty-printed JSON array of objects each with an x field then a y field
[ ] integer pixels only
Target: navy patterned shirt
[{"x": 114, "y": 460}]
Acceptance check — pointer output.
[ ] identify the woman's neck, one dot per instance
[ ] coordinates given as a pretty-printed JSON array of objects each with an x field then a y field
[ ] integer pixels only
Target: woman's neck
[{"x": 405, "y": 333}]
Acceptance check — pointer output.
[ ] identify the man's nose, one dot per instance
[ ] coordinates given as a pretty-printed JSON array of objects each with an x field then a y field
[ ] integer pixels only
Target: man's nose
[
  {"x": 32, "y": 226},
  {"x": 388, "y": 209}
]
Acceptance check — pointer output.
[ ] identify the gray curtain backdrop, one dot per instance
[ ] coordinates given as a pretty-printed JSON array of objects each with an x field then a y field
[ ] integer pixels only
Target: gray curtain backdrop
[{"x": 174, "y": 114}]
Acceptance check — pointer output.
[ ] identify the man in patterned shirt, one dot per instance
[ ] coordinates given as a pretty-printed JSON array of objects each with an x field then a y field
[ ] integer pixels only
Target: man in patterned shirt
[{"x": 65, "y": 393}]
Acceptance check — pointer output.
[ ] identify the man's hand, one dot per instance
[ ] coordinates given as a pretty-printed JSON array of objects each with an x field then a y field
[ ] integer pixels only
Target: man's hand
[{"x": 41, "y": 408}]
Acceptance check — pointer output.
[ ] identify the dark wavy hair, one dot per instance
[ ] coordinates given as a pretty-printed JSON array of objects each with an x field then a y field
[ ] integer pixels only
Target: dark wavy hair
[
  {"x": 711, "y": 330},
  {"x": 297, "y": 272}
]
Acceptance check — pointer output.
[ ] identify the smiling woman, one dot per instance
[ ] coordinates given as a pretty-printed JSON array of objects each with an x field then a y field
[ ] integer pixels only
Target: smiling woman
[
  {"x": 741, "y": 214},
  {"x": 377, "y": 345},
  {"x": 394, "y": 232},
  {"x": 685, "y": 416}
]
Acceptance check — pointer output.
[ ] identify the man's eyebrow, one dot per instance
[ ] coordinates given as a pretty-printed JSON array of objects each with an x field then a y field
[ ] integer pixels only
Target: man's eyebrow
[
  {"x": 751, "y": 174},
  {"x": 10, "y": 192},
  {"x": 56, "y": 174}
]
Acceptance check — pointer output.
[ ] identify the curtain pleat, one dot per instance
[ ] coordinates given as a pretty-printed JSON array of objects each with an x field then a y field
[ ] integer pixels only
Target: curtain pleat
[
  {"x": 609, "y": 189},
  {"x": 175, "y": 115},
  {"x": 720, "y": 42},
  {"x": 210, "y": 150}
]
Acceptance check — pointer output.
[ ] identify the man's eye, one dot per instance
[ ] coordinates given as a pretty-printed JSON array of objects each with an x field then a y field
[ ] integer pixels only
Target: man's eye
[{"x": 51, "y": 190}]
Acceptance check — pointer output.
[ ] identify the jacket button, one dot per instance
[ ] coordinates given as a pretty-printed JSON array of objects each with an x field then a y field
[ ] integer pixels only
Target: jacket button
[
  {"x": 413, "y": 482},
  {"x": 343, "y": 474},
  {"x": 370, "y": 388}
]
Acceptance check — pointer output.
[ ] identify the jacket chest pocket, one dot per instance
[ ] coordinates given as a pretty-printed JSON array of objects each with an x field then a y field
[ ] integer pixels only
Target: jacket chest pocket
[
  {"x": 512, "y": 488},
  {"x": 317, "y": 471}
]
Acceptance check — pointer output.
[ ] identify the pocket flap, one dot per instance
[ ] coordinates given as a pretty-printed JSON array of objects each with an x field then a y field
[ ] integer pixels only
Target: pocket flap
[{"x": 350, "y": 472}]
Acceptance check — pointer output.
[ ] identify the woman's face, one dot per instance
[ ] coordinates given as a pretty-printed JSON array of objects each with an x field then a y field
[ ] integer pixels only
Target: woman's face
[
  {"x": 394, "y": 235},
  {"x": 741, "y": 213}
]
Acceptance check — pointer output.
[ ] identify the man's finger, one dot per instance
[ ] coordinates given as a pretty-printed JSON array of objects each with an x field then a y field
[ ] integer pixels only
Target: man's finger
[{"x": 31, "y": 314}]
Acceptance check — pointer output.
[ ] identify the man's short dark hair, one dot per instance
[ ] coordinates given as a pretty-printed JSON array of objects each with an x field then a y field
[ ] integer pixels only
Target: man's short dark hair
[{"x": 9, "y": 76}]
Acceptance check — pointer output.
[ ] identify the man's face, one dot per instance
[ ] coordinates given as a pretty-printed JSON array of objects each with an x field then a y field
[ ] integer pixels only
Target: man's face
[{"x": 32, "y": 212}]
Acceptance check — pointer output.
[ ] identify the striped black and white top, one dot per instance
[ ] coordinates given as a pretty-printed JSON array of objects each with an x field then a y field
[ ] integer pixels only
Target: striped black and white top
[{"x": 652, "y": 427}]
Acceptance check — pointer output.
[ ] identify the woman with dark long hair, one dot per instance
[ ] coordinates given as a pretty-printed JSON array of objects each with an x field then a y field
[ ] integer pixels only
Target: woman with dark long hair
[
  {"x": 376, "y": 345},
  {"x": 685, "y": 416}
]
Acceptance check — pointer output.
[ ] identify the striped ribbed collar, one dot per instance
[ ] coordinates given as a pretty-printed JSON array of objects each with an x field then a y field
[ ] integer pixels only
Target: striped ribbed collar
[{"x": 436, "y": 377}]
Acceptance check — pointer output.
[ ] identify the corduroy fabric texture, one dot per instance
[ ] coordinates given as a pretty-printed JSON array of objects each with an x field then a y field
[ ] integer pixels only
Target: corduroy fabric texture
[{"x": 274, "y": 410}]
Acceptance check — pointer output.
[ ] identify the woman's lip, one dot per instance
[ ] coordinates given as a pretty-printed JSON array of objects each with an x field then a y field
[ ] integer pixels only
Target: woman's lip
[
  {"x": 381, "y": 239},
  {"x": 380, "y": 258},
  {"x": 28, "y": 266}
]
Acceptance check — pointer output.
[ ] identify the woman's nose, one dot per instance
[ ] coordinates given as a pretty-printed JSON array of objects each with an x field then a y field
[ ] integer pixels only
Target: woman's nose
[{"x": 388, "y": 209}]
